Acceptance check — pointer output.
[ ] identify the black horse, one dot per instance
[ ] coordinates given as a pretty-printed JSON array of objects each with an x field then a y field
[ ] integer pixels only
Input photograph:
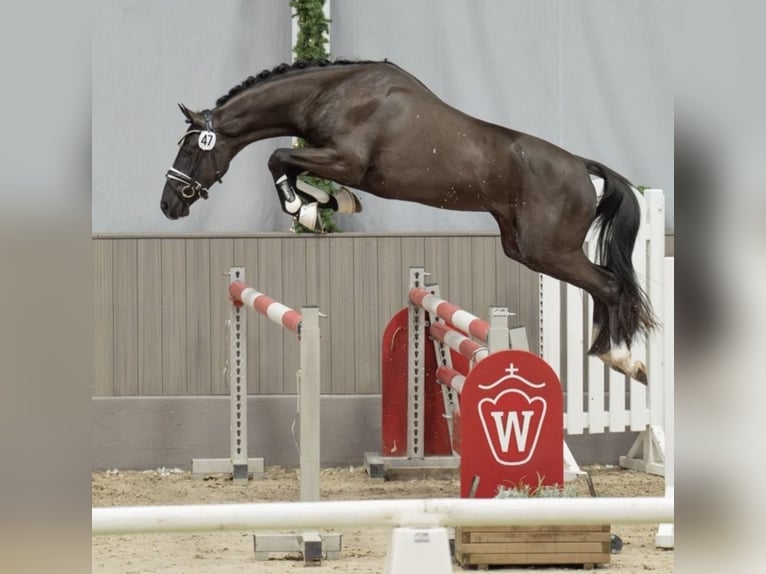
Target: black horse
[{"x": 373, "y": 126}]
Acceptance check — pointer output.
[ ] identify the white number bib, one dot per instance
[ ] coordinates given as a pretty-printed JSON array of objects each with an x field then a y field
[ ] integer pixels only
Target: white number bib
[{"x": 206, "y": 140}]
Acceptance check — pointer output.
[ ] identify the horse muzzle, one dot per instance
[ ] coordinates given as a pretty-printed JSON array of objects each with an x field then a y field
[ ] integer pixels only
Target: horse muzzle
[{"x": 170, "y": 204}]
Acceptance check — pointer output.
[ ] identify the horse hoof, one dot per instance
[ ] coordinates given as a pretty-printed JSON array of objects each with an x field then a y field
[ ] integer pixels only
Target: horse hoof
[
  {"x": 347, "y": 201},
  {"x": 640, "y": 374},
  {"x": 308, "y": 216}
]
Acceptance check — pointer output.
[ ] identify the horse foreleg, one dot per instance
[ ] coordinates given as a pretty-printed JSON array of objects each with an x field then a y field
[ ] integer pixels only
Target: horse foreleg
[
  {"x": 286, "y": 164},
  {"x": 289, "y": 198}
]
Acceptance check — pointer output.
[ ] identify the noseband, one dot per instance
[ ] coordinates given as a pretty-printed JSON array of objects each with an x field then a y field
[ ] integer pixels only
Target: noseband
[{"x": 206, "y": 143}]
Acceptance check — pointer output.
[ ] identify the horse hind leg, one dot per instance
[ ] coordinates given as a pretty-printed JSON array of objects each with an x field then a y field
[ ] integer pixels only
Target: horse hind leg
[
  {"x": 613, "y": 352},
  {"x": 574, "y": 267},
  {"x": 610, "y": 342},
  {"x": 342, "y": 199}
]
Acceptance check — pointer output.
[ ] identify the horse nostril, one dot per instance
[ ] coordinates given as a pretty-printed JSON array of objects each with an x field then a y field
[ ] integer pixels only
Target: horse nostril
[{"x": 165, "y": 207}]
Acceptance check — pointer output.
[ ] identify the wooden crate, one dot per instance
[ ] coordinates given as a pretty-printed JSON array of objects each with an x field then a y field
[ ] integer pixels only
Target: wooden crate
[{"x": 532, "y": 545}]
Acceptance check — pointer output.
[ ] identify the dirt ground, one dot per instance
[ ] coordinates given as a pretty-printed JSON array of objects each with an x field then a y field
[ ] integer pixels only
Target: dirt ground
[{"x": 363, "y": 549}]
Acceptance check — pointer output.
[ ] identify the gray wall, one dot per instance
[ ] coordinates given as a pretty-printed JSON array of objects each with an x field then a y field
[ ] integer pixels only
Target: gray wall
[
  {"x": 149, "y": 55},
  {"x": 149, "y": 432},
  {"x": 590, "y": 75}
]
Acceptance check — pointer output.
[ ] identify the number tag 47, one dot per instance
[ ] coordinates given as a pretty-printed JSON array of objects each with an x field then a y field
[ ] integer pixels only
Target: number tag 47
[{"x": 206, "y": 140}]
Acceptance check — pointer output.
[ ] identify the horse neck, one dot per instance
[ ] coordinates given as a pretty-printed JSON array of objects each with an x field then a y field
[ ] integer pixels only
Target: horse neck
[{"x": 265, "y": 111}]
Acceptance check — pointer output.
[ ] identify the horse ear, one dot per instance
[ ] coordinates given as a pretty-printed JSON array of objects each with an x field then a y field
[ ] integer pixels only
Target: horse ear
[{"x": 185, "y": 111}]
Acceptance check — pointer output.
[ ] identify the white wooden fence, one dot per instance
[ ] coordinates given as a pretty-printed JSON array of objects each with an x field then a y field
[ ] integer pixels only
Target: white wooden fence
[{"x": 598, "y": 399}]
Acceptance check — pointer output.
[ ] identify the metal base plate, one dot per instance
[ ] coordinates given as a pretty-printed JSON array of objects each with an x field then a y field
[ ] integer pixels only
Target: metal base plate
[
  {"x": 313, "y": 546},
  {"x": 202, "y": 467}
]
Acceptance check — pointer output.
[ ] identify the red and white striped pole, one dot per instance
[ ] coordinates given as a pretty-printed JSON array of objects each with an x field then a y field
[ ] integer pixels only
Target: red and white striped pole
[
  {"x": 458, "y": 342},
  {"x": 241, "y": 293},
  {"x": 453, "y": 314},
  {"x": 451, "y": 378}
]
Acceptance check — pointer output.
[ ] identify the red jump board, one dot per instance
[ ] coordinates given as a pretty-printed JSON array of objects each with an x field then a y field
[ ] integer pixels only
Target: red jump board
[
  {"x": 511, "y": 419},
  {"x": 394, "y": 395}
]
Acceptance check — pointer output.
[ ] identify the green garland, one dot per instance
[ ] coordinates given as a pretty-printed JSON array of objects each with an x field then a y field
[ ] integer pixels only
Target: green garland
[{"x": 313, "y": 31}]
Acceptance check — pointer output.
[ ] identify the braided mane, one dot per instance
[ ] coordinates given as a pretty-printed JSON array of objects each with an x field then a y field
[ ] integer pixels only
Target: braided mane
[{"x": 265, "y": 75}]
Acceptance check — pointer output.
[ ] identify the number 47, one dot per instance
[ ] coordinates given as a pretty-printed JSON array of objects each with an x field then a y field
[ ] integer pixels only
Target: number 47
[{"x": 206, "y": 140}]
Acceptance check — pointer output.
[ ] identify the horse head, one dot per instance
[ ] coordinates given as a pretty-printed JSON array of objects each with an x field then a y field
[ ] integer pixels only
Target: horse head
[{"x": 203, "y": 158}]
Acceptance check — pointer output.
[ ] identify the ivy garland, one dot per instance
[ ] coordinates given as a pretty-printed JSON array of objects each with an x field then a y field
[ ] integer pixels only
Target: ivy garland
[{"x": 313, "y": 31}]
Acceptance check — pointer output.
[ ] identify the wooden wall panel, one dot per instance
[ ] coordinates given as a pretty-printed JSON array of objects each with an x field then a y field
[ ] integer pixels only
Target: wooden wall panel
[
  {"x": 318, "y": 293},
  {"x": 459, "y": 280},
  {"x": 149, "y": 314},
  {"x": 174, "y": 317},
  {"x": 529, "y": 305},
  {"x": 125, "y": 317},
  {"x": 506, "y": 281},
  {"x": 221, "y": 260},
  {"x": 483, "y": 272},
  {"x": 437, "y": 262},
  {"x": 368, "y": 282},
  {"x": 161, "y": 304},
  {"x": 413, "y": 253},
  {"x": 392, "y": 277},
  {"x": 341, "y": 314},
  {"x": 268, "y": 337},
  {"x": 294, "y": 281},
  {"x": 103, "y": 319},
  {"x": 198, "y": 377}
]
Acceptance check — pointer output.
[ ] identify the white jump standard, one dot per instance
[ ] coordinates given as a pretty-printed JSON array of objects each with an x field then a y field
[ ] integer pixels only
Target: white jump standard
[
  {"x": 239, "y": 465},
  {"x": 305, "y": 325}
]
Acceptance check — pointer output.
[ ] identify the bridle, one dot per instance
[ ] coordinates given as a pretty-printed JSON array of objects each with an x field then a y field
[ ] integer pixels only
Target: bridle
[{"x": 190, "y": 186}]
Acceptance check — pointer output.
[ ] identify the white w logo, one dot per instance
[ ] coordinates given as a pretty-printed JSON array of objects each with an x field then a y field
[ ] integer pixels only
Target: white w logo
[
  {"x": 520, "y": 432},
  {"x": 521, "y": 423}
]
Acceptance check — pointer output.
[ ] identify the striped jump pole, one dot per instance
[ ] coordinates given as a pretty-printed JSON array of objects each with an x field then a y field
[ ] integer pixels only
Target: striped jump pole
[
  {"x": 241, "y": 293},
  {"x": 452, "y": 314},
  {"x": 426, "y": 299},
  {"x": 450, "y": 378},
  {"x": 457, "y": 342}
]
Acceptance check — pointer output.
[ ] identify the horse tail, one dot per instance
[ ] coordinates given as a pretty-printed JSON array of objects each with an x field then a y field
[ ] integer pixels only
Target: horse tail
[{"x": 618, "y": 217}]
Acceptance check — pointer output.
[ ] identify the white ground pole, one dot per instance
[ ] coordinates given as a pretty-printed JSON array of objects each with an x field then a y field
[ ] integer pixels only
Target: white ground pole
[
  {"x": 431, "y": 512},
  {"x": 419, "y": 541},
  {"x": 666, "y": 533}
]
